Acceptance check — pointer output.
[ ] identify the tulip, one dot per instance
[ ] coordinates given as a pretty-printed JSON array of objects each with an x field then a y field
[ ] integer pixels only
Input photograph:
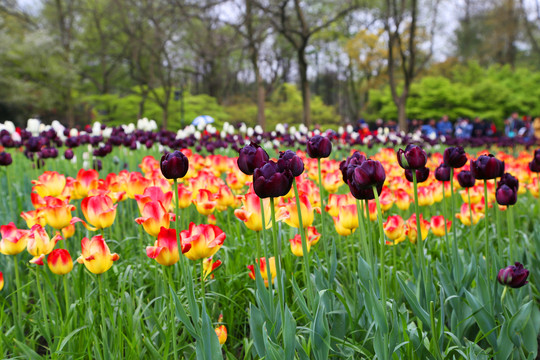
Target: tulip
[
  {"x": 205, "y": 202},
  {"x": 422, "y": 175},
  {"x": 224, "y": 198},
  {"x": 85, "y": 181},
  {"x": 425, "y": 196},
  {"x": 99, "y": 211},
  {"x": 39, "y": 244},
  {"x": 362, "y": 178},
  {"x": 251, "y": 157},
  {"x": 1, "y": 280},
  {"x": 50, "y": 183},
  {"x": 394, "y": 229},
  {"x": 354, "y": 160},
  {"x": 487, "y": 167},
  {"x": 510, "y": 181},
  {"x": 332, "y": 181},
  {"x": 348, "y": 217},
  {"x": 205, "y": 240},
  {"x": 155, "y": 193},
  {"x": 96, "y": 255},
  {"x": 412, "y": 158},
  {"x": 174, "y": 165},
  {"x": 33, "y": 217},
  {"x": 514, "y": 276},
  {"x": 466, "y": 179},
  {"x": 57, "y": 213},
  {"x": 312, "y": 238},
  {"x": 184, "y": 196},
  {"x": 68, "y": 154},
  {"x": 506, "y": 195},
  {"x": 465, "y": 217},
  {"x": 5, "y": 158},
  {"x": 60, "y": 262},
  {"x": 271, "y": 181},
  {"x": 289, "y": 212},
  {"x": 263, "y": 269},
  {"x": 250, "y": 213},
  {"x": 455, "y": 157},
  {"x": 221, "y": 332},
  {"x": 442, "y": 173},
  {"x": 154, "y": 217},
  {"x": 289, "y": 160},
  {"x": 438, "y": 225},
  {"x": 68, "y": 231},
  {"x": 334, "y": 203},
  {"x": 340, "y": 229},
  {"x": 13, "y": 240},
  {"x": 412, "y": 229},
  {"x": 209, "y": 266},
  {"x": 534, "y": 166},
  {"x": 165, "y": 249},
  {"x": 403, "y": 200},
  {"x": 136, "y": 184},
  {"x": 319, "y": 147}
]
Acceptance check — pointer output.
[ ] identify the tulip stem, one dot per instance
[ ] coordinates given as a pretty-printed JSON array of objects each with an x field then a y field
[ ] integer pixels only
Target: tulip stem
[
  {"x": 268, "y": 272},
  {"x": 258, "y": 243},
  {"x": 321, "y": 188},
  {"x": 171, "y": 309},
  {"x": 277, "y": 254},
  {"x": 177, "y": 213},
  {"x": 486, "y": 211},
  {"x": 203, "y": 290},
  {"x": 445, "y": 214},
  {"x": 504, "y": 294},
  {"x": 471, "y": 218},
  {"x": 363, "y": 240},
  {"x": 381, "y": 248},
  {"x": 498, "y": 221},
  {"x": 419, "y": 244},
  {"x": 454, "y": 230},
  {"x": 66, "y": 294},
  {"x": 305, "y": 251},
  {"x": 365, "y": 212},
  {"x": 102, "y": 309},
  {"x": 19, "y": 310},
  {"x": 44, "y": 307},
  {"x": 511, "y": 231}
]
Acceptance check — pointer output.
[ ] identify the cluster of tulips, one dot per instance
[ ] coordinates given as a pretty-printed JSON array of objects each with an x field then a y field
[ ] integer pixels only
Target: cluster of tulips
[{"x": 289, "y": 189}]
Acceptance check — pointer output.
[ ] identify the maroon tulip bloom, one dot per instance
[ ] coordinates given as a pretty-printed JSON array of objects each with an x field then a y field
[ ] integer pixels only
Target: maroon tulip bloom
[
  {"x": 442, "y": 173},
  {"x": 506, "y": 195},
  {"x": 534, "y": 166},
  {"x": 466, "y": 179},
  {"x": 514, "y": 276},
  {"x": 289, "y": 160},
  {"x": 455, "y": 157},
  {"x": 508, "y": 179},
  {"x": 68, "y": 154},
  {"x": 5, "y": 159},
  {"x": 421, "y": 175},
  {"x": 361, "y": 179},
  {"x": 352, "y": 161},
  {"x": 413, "y": 157},
  {"x": 487, "y": 167},
  {"x": 271, "y": 181},
  {"x": 319, "y": 147},
  {"x": 250, "y": 157},
  {"x": 174, "y": 165}
]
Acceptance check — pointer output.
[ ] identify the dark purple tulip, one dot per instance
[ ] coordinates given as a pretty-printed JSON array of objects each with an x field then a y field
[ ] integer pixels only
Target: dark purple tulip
[
  {"x": 5, "y": 159},
  {"x": 514, "y": 276},
  {"x": 319, "y": 147},
  {"x": 487, "y": 167},
  {"x": 413, "y": 157},
  {"x": 442, "y": 173},
  {"x": 250, "y": 157},
  {"x": 466, "y": 179},
  {"x": 34, "y": 144},
  {"x": 537, "y": 155},
  {"x": 508, "y": 179},
  {"x": 534, "y": 166},
  {"x": 68, "y": 154},
  {"x": 97, "y": 165},
  {"x": 270, "y": 181},
  {"x": 174, "y": 165},
  {"x": 7, "y": 141},
  {"x": 289, "y": 160},
  {"x": 421, "y": 175},
  {"x": 363, "y": 194},
  {"x": 370, "y": 173},
  {"x": 149, "y": 144},
  {"x": 352, "y": 161},
  {"x": 506, "y": 195},
  {"x": 455, "y": 157},
  {"x": 49, "y": 153}
]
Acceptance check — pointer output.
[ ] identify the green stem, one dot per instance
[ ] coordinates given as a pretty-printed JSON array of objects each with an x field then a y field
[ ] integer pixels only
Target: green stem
[
  {"x": 177, "y": 213},
  {"x": 471, "y": 218},
  {"x": 486, "y": 212},
  {"x": 258, "y": 244},
  {"x": 305, "y": 251},
  {"x": 171, "y": 310},
  {"x": 321, "y": 188},
  {"x": 103, "y": 321},
  {"x": 504, "y": 294},
  {"x": 419, "y": 243},
  {"x": 454, "y": 228},
  {"x": 363, "y": 239},
  {"x": 44, "y": 306},
  {"x": 66, "y": 294},
  {"x": 203, "y": 290},
  {"x": 511, "y": 231},
  {"x": 277, "y": 254},
  {"x": 18, "y": 312},
  {"x": 365, "y": 212},
  {"x": 381, "y": 248},
  {"x": 445, "y": 215}
]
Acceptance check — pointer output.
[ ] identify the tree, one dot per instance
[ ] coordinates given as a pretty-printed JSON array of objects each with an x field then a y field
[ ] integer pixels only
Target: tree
[{"x": 297, "y": 22}]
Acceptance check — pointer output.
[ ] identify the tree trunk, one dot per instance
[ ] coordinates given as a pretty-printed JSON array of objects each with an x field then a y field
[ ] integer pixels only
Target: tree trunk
[
  {"x": 144, "y": 95},
  {"x": 165, "y": 117},
  {"x": 402, "y": 114},
  {"x": 304, "y": 86},
  {"x": 261, "y": 119}
]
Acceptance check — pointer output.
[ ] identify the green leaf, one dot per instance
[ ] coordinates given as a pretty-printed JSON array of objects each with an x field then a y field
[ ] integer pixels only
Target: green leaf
[
  {"x": 422, "y": 314},
  {"x": 518, "y": 323},
  {"x": 320, "y": 333}
]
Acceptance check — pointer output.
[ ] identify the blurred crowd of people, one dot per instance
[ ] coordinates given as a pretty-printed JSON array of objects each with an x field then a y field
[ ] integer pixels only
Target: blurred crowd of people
[{"x": 463, "y": 128}]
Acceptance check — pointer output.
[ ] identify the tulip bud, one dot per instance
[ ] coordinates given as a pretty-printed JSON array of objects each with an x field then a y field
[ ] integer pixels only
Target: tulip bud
[
  {"x": 514, "y": 276},
  {"x": 506, "y": 195},
  {"x": 455, "y": 157},
  {"x": 355, "y": 159},
  {"x": 60, "y": 262},
  {"x": 413, "y": 157},
  {"x": 221, "y": 331},
  {"x": 271, "y": 181},
  {"x": 250, "y": 157},
  {"x": 68, "y": 154},
  {"x": 466, "y": 179},
  {"x": 319, "y": 147},
  {"x": 289, "y": 160},
  {"x": 421, "y": 175},
  {"x": 442, "y": 173},
  {"x": 5, "y": 159},
  {"x": 174, "y": 165}
]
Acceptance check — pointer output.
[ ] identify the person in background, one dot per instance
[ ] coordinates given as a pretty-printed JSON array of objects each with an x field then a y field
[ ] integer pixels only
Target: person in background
[
  {"x": 536, "y": 127},
  {"x": 444, "y": 127},
  {"x": 429, "y": 129},
  {"x": 512, "y": 125},
  {"x": 414, "y": 125},
  {"x": 479, "y": 127},
  {"x": 464, "y": 129}
]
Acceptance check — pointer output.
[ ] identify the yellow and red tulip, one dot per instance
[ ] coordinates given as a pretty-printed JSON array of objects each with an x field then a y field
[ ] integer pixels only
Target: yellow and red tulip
[
  {"x": 250, "y": 213},
  {"x": 394, "y": 229},
  {"x": 86, "y": 180},
  {"x": 437, "y": 225},
  {"x": 50, "y": 183},
  {"x": 263, "y": 269},
  {"x": 57, "y": 213},
  {"x": 312, "y": 237},
  {"x": 13, "y": 240},
  {"x": 289, "y": 212},
  {"x": 99, "y": 211},
  {"x": 165, "y": 249},
  {"x": 154, "y": 217},
  {"x": 33, "y": 217},
  {"x": 411, "y": 229},
  {"x": 221, "y": 331},
  {"x": 224, "y": 198},
  {"x": 39, "y": 244},
  {"x": 205, "y": 240},
  {"x": 1, "y": 280},
  {"x": 209, "y": 266},
  {"x": 136, "y": 184},
  {"x": 402, "y": 199},
  {"x": 154, "y": 193},
  {"x": 465, "y": 216},
  {"x": 205, "y": 202},
  {"x": 96, "y": 255},
  {"x": 60, "y": 262}
]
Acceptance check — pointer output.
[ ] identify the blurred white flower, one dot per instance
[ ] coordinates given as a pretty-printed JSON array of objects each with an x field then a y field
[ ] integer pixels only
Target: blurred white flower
[
  {"x": 32, "y": 125},
  {"x": 340, "y": 130},
  {"x": 258, "y": 129},
  {"x": 107, "y": 132},
  {"x": 350, "y": 128},
  {"x": 250, "y": 132}
]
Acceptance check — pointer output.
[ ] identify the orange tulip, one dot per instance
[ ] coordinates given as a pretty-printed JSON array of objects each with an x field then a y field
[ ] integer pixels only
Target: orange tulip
[
  {"x": 250, "y": 213},
  {"x": 437, "y": 225},
  {"x": 165, "y": 249},
  {"x": 221, "y": 331},
  {"x": 205, "y": 202},
  {"x": 289, "y": 212},
  {"x": 60, "y": 262},
  {"x": 154, "y": 217},
  {"x": 99, "y": 211},
  {"x": 205, "y": 240},
  {"x": 411, "y": 230},
  {"x": 312, "y": 237},
  {"x": 96, "y": 255},
  {"x": 50, "y": 183},
  {"x": 263, "y": 269},
  {"x": 39, "y": 244},
  {"x": 85, "y": 181},
  {"x": 209, "y": 266},
  {"x": 13, "y": 240},
  {"x": 57, "y": 213},
  {"x": 394, "y": 229}
]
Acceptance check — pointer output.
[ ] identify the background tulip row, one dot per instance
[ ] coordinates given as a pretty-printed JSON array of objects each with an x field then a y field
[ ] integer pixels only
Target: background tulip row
[{"x": 272, "y": 254}]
